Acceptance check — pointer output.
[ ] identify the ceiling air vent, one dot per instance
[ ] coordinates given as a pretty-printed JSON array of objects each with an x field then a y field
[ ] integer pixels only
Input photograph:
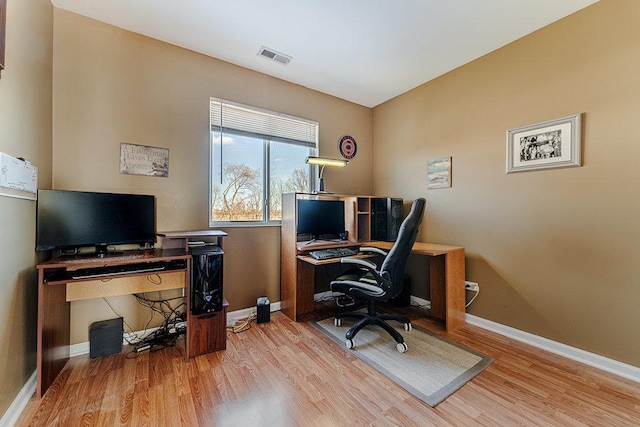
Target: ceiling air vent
[{"x": 273, "y": 55}]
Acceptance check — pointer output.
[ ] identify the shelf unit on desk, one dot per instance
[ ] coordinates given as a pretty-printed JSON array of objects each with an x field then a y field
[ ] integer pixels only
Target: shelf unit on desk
[
  {"x": 57, "y": 287},
  {"x": 358, "y": 216},
  {"x": 205, "y": 332}
]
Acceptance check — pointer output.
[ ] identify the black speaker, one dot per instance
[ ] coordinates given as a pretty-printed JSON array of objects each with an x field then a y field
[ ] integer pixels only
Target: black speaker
[
  {"x": 263, "y": 310},
  {"x": 206, "y": 280},
  {"x": 105, "y": 337},
  {"x": 386, "y": 216}
]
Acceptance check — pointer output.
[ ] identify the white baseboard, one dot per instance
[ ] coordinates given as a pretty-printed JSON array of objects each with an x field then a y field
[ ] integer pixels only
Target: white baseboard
[
  {"x": 609, "y": 365},
  {"x": 10, "y": 418},
  {"x": 572, "y": 353}
]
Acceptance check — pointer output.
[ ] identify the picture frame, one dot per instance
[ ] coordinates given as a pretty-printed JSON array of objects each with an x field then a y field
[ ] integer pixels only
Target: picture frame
[
  {"x": 3, "y": 28},
  {"x": 439, "y": 173},
  {"x": 552, "y": 144},
  {"x": 144, "y": 160}
]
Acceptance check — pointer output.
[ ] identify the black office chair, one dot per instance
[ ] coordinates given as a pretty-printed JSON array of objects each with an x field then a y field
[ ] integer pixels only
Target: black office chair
[{"x": 368, "y": 283}]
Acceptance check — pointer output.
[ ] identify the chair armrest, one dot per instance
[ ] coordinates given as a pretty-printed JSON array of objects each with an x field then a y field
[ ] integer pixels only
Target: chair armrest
[
  {"x": 369, "y": 265},
  {"x": 359, "y": 261},
  {"x": 372, "y": 249}
]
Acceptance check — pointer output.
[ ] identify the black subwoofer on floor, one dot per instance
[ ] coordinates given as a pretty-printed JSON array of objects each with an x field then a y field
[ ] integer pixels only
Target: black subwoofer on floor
[
  {"x": 206, "y": 280},
  {"x": 386, "y": 216},
  {"x": 105, "y": 337}
]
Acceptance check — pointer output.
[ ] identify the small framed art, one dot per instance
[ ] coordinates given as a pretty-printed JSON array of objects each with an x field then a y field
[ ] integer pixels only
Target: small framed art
[
  {"x": 439, "y": 172},
  {"x": 551, "y": 144}
]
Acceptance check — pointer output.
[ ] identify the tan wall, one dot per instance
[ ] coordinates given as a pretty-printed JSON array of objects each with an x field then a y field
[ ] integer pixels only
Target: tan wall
[
  {"x": 25, "y": 131},
  {"x": 113, "y": 86},
  {"x": 555, "y": 251}
]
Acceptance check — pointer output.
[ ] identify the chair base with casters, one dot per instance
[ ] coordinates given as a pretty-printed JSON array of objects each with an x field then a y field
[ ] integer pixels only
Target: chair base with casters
[{"x": 371, "y": 317}]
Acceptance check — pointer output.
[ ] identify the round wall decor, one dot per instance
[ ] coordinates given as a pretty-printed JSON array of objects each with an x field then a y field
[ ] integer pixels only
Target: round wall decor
[{"x": 347, "y": 147}]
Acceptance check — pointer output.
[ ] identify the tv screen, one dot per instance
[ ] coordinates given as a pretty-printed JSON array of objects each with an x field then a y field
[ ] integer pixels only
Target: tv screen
[
  {"x": 320, "y": 217},
  {"x": 74, "y": 219}
]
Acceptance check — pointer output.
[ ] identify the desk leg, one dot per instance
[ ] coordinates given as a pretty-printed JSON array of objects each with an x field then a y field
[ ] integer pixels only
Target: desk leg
[
  {"x": 53, "y": 333},
  {"x": 305, "y": 288},
  {"x": 455, "y": 271},
  {"x": 446, "y": 288},
  {"x": 437, "y": 287}
]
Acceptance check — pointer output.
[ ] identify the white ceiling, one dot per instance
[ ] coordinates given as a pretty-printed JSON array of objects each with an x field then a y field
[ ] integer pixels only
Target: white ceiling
[{"x": 364, "y": 51}]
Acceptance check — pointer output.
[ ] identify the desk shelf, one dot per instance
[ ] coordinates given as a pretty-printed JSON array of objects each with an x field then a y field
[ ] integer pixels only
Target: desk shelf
[{"x": 205, "y": 332}]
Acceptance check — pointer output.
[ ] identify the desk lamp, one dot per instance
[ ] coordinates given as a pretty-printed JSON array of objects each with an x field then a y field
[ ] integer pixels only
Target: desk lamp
[{"x": 323, "y": 161}]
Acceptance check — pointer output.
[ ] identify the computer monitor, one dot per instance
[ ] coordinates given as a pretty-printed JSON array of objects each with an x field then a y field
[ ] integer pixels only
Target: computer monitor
[
  {"x": 74, "y": 219},
  {"x": 320, "y": 218}
]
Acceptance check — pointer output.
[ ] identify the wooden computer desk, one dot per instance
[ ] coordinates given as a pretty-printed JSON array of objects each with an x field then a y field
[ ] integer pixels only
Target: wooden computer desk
[
  {"x": 57, "y": 287},
  {"x": 446, "y": 282}
]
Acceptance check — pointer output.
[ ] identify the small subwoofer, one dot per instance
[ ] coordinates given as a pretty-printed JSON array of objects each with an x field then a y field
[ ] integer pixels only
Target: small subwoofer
[
  {"x": 263, "y": 310},
  {"x": 105, "y": 337},
  {"x": 206, "y": 280}
]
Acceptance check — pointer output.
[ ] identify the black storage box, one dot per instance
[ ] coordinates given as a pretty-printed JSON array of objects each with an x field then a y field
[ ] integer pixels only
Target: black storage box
[{"x": 105, "y": 337}]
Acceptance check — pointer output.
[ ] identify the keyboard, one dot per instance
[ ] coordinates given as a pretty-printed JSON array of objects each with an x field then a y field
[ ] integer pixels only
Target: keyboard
[{"x": 333, "y": 253}]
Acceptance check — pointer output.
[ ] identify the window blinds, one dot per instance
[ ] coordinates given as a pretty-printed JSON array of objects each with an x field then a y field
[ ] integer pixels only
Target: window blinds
[{"x": 228, "y": 117}]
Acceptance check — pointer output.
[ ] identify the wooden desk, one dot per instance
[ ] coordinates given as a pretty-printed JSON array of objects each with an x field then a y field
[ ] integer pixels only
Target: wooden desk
[
  {"x": 57, "y": 286},
  {"x": 446, "y": 281},
  {"x": 297, "y": 281}
]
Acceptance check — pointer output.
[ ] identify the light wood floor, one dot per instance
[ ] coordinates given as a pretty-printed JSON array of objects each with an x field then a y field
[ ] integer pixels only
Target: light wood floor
[{"x": 283, "y": 373}]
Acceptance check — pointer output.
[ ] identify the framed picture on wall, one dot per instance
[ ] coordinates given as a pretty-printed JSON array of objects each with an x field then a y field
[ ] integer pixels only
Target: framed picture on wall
[
  {"x": 3, "y": 25},
  {"x": 439, "y": 172},
  {"x": 551, "y": 144},
  {"x": 144, "y": 160}
]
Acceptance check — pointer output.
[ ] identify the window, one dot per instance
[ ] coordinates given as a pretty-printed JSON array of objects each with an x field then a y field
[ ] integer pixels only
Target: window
[{"x": 256, "y": 155}]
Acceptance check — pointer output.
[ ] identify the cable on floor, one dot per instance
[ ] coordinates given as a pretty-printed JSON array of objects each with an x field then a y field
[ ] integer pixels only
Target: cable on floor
[{"x": 243, "y": 324}]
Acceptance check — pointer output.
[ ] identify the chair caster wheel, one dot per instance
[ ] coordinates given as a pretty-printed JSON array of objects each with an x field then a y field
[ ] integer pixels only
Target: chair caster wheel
[
  {"x": 337, "y": 322},
  {"x": 349, "y": 343},
  {"x": 407, "y": 326},
  {"x": 402, "y": 347}
]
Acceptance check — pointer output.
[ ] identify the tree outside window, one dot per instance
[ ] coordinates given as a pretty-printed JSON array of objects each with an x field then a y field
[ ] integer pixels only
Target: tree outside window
[{"x": 239, "y": 181}]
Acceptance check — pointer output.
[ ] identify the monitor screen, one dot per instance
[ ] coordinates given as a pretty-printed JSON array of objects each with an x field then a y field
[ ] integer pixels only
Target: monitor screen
[
  {"x": 73, "y": 219},
  {"x": 320, "y": 217}
]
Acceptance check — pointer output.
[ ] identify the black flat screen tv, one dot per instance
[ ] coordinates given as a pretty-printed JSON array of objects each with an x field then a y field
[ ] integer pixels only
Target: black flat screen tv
[
  {"x": 320, "y": 217},
  {"x": 75, "y": 219}
]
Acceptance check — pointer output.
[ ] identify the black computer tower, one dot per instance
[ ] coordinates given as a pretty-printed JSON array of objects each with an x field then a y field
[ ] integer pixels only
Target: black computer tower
[
  {"x": 386, "y": 216},
  {"x": 206, "y": 280}
]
